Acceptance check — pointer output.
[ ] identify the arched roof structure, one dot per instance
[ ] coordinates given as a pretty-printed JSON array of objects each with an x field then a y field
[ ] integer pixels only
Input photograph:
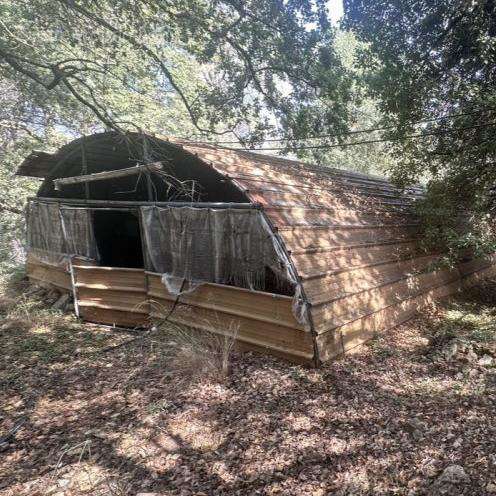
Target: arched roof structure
[{"x": 350, "y": 238}]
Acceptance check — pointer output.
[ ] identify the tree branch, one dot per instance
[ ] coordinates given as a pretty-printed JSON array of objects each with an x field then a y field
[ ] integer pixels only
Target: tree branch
[
  {"x": 106, "y": 119},
  {"x": 71, "y": 4},
  {"x": 13, "y": 210},
  {"x": 13, "y": 61}
]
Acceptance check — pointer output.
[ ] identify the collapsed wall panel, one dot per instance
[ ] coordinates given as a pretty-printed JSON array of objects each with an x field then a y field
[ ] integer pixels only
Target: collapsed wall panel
[{"x": 133, "y": 297}]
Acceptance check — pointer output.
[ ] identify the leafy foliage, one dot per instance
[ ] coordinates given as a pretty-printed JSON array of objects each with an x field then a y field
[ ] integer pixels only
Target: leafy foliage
[
  {"x": 436, "y": 62},
  {"x": 363, "y": 113},
  {"x": 452, "y": 228},
  {"x": 242, "y": 67}
]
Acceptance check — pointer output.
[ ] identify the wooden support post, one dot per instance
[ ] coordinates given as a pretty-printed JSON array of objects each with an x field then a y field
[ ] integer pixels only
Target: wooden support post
[
  {"x": 85, "y": 171},
  {"x": 101, "y": 176},
  {"x": 146, "y": 158}
]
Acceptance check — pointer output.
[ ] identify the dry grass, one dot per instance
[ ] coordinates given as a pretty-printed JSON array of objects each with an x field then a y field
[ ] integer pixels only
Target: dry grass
[
  {"x": 198, "y": 354},
  {"x": 193, "y": 354}
]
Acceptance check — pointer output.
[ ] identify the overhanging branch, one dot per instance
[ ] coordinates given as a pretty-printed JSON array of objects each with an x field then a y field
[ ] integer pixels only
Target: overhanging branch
[{"x": 71, "y": 4}]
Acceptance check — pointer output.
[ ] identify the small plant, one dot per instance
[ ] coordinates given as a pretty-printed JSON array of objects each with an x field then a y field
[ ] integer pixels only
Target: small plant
[
  {"x": 380, "y": 348},
  {"x": 484, "y": 334},
  {"x": 160, "y": 406},
  {"x": 199, "y": 353}
]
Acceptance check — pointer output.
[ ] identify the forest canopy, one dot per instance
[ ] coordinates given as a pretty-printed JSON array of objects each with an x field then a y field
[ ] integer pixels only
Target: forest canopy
[
  {"x": 246, "y": 68},
  {"x": 194, "y": 68}
]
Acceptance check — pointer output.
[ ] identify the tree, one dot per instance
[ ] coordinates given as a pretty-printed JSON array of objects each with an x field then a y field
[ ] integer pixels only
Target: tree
[
  {"x": 435, "y": 61},
  {"x": 243, "y": 67},
  {"x": 363, "y": 113},
  {"x": 196, "y": 68}
]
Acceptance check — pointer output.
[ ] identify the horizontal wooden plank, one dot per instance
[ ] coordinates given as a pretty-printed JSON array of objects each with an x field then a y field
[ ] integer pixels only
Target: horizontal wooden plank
[
  {"x": 265, "y": 307},
  {"x": 264, "y": 334},
  {"x": 338, "y": 285},
  {"x": 295, "y": 216},
  {"x": 102, "y": 277},
  {"x": 84, "y": 262},
  {"x": 337, "y": 341},
  {"x": 293, "y": 185},
  {"x": 112, "y": 298},
  {"x": 273, "y": 197},
  {"x": 104, "y": 269},
  {"x": 115, "y": 287},
  {"x": 301, "y": 238},
  {"x": 354, "y": 307},
  {"x": 312, "y": 264},
  {"x": 351, "y": 227},
  {"x": 122, "y": 308},
  {"x": 113, "y": 317},
  {"x": 328, "y": 183},
  {"x": 155, "y": 278},
  {"x": 306, "y": 359},
  {"x": 80, "y": 202}
]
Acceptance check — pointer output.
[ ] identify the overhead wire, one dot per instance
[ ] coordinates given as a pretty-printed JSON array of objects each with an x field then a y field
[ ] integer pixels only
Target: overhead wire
[
  {"x": 355, "y": 132},
  {"x": 382, "y": 140}
]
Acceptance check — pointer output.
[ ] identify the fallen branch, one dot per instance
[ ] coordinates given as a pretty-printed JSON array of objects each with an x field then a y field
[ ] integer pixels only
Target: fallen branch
[
  {"x": 102, "y": 176},
  {"x": 7, "y": 438}
]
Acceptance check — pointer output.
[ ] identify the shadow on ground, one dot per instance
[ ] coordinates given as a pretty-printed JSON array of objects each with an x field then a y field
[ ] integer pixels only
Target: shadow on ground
[{"x": 387, "y": 420}]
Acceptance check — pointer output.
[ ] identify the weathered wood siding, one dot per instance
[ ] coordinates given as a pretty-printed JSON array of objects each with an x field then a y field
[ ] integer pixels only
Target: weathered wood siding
[
  {"x": 352, "y": 240},
  {"x": 45, "y": 274},
  {"x": 133, "y": 297}
]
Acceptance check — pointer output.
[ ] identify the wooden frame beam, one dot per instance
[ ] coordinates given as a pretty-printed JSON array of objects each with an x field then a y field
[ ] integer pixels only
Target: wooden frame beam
[
  {"x": 112, "y": 174},
  {"x": 134, "y": 204}
]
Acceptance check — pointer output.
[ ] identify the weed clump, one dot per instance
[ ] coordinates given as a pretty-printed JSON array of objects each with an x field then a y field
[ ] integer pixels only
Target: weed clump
[{"x": 197, "y": 354}]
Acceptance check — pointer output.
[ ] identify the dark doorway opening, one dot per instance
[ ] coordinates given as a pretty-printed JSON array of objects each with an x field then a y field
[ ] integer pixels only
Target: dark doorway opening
[{"x": 118, "y": 238}]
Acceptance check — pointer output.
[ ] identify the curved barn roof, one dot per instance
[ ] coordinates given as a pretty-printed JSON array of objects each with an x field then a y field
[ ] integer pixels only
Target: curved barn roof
[{"x": 350, "y": 236}]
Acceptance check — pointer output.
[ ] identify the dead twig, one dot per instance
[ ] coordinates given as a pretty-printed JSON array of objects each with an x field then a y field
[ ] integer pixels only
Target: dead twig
[{"x": 7, "y": 438}]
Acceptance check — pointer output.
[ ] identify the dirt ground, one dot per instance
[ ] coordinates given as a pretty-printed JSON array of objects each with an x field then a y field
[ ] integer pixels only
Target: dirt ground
[{"x": 410, "y": 413}]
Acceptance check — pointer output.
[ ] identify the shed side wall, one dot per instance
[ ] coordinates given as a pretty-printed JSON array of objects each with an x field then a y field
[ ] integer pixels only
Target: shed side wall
[{"x": 352, "y": 239}]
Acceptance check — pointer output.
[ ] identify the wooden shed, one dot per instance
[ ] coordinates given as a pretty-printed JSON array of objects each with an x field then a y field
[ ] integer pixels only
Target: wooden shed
[{"x": 301, "y": 261}]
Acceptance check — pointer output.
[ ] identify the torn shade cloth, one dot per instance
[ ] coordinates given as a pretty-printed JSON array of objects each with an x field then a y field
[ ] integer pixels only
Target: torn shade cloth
[
  {"x": 190, "y": 246},
  {"x": 55, "y": 233}
]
